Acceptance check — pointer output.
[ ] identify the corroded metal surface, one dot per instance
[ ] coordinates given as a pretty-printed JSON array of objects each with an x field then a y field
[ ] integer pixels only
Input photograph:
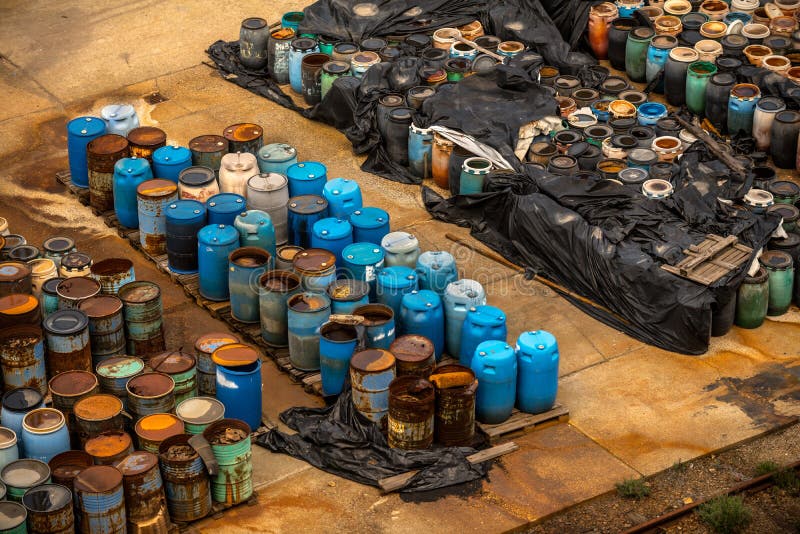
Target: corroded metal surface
[
  {"x": 113, "y": 273},
  {"x": 231, "y": 445},
  {"x": 415, "y": 355},
  {"x": 145, "y": 502},
  {"x": 455, "y": 410},
  {"x": 49, "y": 509},
  {"x": 411, "y": 409},
  {"x": 22, "y": 358},
  {"x": 108, "y": 448},
  {"x": 150, "y": 393},
  {"x": 100, "y": 496},
  {"x": 186, "y": 481},
  {"x": 145, "y": 140},
  {"x": 98, "y": 413}
]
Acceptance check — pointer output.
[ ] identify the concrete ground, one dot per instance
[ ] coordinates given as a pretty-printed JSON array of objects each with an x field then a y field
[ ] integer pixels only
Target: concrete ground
[{"x": 635, "y": 409}]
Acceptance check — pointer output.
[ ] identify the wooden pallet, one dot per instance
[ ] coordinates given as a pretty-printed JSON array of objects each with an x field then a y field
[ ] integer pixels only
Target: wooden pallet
[
  {"x": 711, "y": 260},
  {"x": 217, "y": 509},
  {"x": 521, "y": 423},
  {"x": 250, "y": 333}
]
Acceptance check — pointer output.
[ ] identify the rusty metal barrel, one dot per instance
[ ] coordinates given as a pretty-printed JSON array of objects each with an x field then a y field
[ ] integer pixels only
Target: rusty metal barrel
[
  {"x": 150, "y": 393},
  {"x": 145, "y": 140},
  {"x": 207, "y": 151},
  {"x": 152, "y": 429},
  {"x": 106, "y": 327},
  {"x": 15, "y": 278},
  {"x": 114, "y": 373},
  {"x": 67, "y": 335},
  {"x": 231, "y": 445},
  {"x": 415, "y": 355},
  {"x": 371, "y": 372},
  {"x": 152, "y": 199},
  {"x": 186, "y": 481},
  {"x": 142, "y": 311},
  {"x": 98, "y": 413},
  {"x": 108, "y": 448},
  {"x": 182, "y": 368},
  {"x": 71, "y": 291},
  {"x": 101, "y": 499},
  {"x": 455, "y": 405},
  {"x": 412, "y": 402},
  {"x": 65, "y": 466},
  {"x": 68, "y": 388},
  {"x": 244, "y": 137},
  {"x": 204, "y": 347},
  {"x": 18, "y": 309},
  {"x": 101, "y": 155},
  {"x": 145, "y": 502},
  {"x": 49, "y": 509},
  {"x": 113, "y": 273},
  {"x": 22, "y": 358}
]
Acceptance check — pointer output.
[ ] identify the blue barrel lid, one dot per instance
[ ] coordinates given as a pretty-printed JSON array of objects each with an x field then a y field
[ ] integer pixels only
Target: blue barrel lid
[
  {"x": 172, "y": 155},
  {"x": 494, "y": 350},
  {"x": 306, "y": 171},
  {"x": 340, "y": 187},
  {"x": 186, "y": 210},
  {"x": 66, "y": 322},
  {"x": 465, "y": 290},
  {"x": 436, "y": 259},
  {"x": 363, "y": 254},
  {"x": 332, "y": 228},
  {"x": 116, "y": 112},
  {"x": 536, "y": 341},
  {"x": 369, "y": 217},
  {"x": 22, "y": 399},
  {"x": 652, "y": 109},
  {"x": 277, "y": 152},
  {"x": 397, "y": 277},
  {"x": 307, "y": 204},
  {"x": 218, "y": 234},
  {"x": 486, "y": 316},
  {"x": 254, "y": 217},
  {"x": 131, "y": 166},
  {"x": 422, "y": 300},
  {"x": 399, "y": 242},
  {"x": 86, "y": 127},
  {"x": 226, "y": 203},
  {"x": 196, "y": 175},
  {"x": 50, "y": 285}
]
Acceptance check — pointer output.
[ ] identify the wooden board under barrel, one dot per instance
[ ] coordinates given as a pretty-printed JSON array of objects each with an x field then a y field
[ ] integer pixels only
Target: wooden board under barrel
[{"x": 521, "y": 423}]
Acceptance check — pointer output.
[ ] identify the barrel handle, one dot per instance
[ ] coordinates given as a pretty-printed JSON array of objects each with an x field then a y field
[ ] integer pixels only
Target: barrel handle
[{"x": 203, "y": 448}]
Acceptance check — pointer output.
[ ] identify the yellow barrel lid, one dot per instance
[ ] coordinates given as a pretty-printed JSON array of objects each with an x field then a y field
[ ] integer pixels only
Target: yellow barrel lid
[{"x": 235, "y": 355}]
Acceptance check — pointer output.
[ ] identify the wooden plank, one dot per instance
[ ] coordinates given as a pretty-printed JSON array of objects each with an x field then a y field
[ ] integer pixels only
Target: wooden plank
[
  {"x": 711, "y": 259},
  {"x": 521, "y": 422}
]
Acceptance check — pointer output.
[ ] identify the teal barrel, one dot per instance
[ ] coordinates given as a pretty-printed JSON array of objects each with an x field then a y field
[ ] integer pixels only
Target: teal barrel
[
  {"x": 307, "y": 178},
  {"x": 48, "y": 299},
  {"x": 199, "y": 412},
  {"x": 697, "y": 77},
  {"x": 370, "y": 224},
  {"x": 246, "y": 266},
  {"x": 275, "y": 288},
  {"x": 420, "y": 151},
  {"x": 379, "y": 325},
  {"x": 80, "y": 131},
  {"x": 239, "y": 382},
  {"x": 223, "y": 208},
  {"x": 657, "y": 55},
  {"x": 347, "y": 295},
  {"x": 411, "y": 413},
  {"x": 106, "y": 327},
  {"x": 636, "y": 53},
  {"x": 182, "y": 368},
  {"x": 332, "y": 234},
  {"x": 343, "y": 196},
  {"x": 49, "y": 509},
  {"x": 186, "y": 482},
  {"x": 392, "y": 284},
  {"x": 481, "y": 323},
  {"x": 337, "y": 343},
  {"x": 9, "y": 451},
  {"x": 21, "y": 475},
  {"x": 145, "y": 502},
  {"x": 752, "y": 300},
  {"x": 256, "y": 230},
  {"x": 153, "y": 198},
  {"x": 473, "y": 175},
  {"x": 114, "y": 373},
  {"x": 129, "y": 173},
  {"x": 22, "y": 358},
  {"x": 400, "y": 249},
  {"x": 113, "y": 273},
  {"x": 371, "y": 372},
  {"x": 422, "y": 313},
  {"x": 436, "y": 269},
  {"x": 742, "y": 107},
  {"x": 13, "y": 518},
  {"x": 459, "y": 297},
  {"x": 495, "y": 367},
  {"x": 170, "y": 160},
  {"x": 56, "y": 248},
  {"x": 150, "y": 393},
  {"x": 332, "y": 71},
  {"x": 45, "y": 434},
  {"x": 101, "y": 500},
  {"x": 537, "y": 371},
  {"x": 780, "y": 267},
  {"x": 142, "y": 311},
  {"x": 204, "y": 347},
  {"x": 307, "y": 313},
  {"x": 362, "y": 261},
  {"x": 17, "y": 403},
  {"x": 276, "y": 157},
  {"x": 234, "y": 481},
  {"x": 214, "y": 245}
]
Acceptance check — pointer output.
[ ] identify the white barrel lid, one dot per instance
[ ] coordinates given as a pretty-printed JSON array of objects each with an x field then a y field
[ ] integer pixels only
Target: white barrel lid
[
  {"x": 657, "y": 188},
  {"x": 399, "y": 242},
  {"x": 758, "y": 198},
  {"x": 267, "y": 181}
]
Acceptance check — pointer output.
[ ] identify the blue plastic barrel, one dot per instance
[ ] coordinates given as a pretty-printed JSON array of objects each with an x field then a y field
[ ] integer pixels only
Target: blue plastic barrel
[
  {"x": 362, "y": 261},
  {"x": 392, "y": 284},
  {"x": 473, "y": 175},
  {"x": 304, "y": 211},
  {"x": 347, "y": 295},
  {"x": 184, "y": 219},
  {"x": 458, "y": 298},
  {"x": 256, "y": 230},
  {"x": 299, "y": 48},
  {"x": 128, "y": 174},
  {"x": 370, "y": 224},
  {"x": 316, "y": 268},
  {"x": 337, "y": 343},
  {"x": 223, "y": 208},
  {"x": 537, "y": 371},
  {"x": 332, "y": 234},
  {"x": 275, "y": 289},
  {"x": 422, "y": 313},
  {"x": 306, "y": 178},
  {"x": 495, "y": 366},
  {"x": 371, "y": 372},
  {"x": 152, "y": 199},
  {"x": 17, "y": 403},
  {"x": 170, "y": 160},
  {"x": 343, "y": 196},
  {"x": 307, "y": 313},
  {"x": 276, "y": 157},
  {"x": 247, "y": 264},
  {"x": 44, "y": 434},
  {"x": 379, "y": 325},
  {"x": 481, "y": 323},
  {"x": 239, "y": 382},
  {"x": 80, "y": 131},
  {"x": 420, "y": 151},
  {"x": 214, "y": 245},
  {"x": 436, "y": 269}
]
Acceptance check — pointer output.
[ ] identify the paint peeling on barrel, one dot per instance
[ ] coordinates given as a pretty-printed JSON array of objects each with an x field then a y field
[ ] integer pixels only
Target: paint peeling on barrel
[
  {"x": 22, "y": 358},
  {"x": 186, "y": 481},
  {"x": 411, "y": 411},
  {"x": 113, "y": 273}
]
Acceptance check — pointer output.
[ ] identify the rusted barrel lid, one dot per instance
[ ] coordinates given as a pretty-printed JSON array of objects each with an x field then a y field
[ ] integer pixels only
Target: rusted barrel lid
[
  {"x": 136, "y": 463},
  {"x": 147, "y": 136},
  {"x": 308, "y": 302},
  {"x": 249, "y": 257},
  {"x": 208, "y": 343},
  {"x": 108, "y": 444},
  {"x": 98, "y": 479},
  {"x": 776, "y": 260},
  {"x": 208, "y": 143},
  {"x": 139, "y": 292},
  {"x": 111, "y": 266},
  {"x": 313, "y": 261},
  {"x": 66, "y": 465},
  {"x": 22, "y": 399},
  {"x": 98, "y": 407},
  {"x": 157, "y": 188},
  {"x": 65, "y": 322},
  {"x": 158, "y": 426},
  {"x": 412, "y": 348},
  {"x": 120, "y": 367},
  {"x": 12, "y": 271},
  {"x": 279, "y": 281},
  {"x": 172, "y": 362},
  {"x": 235, "y": 355},
  {"x": 43, "y": 420},
  {"x": 76, "y": 261},
  {"x": 243, "y": 132},
  {"x": 18, "y": 304},
  {"x": 79, "y": 287},
  {"x": 150, "y": 385},
  {"x": 72, "y": 383},
  {"x": 107, "y": 144},
  {"x": 47, "y": 498},
  {"x": 200, "y": 410},
  {"x": 307, "y": 204},
  {"x": 411, "y": 390},
  {"x": 372, "y": 361},
  {"x": 100, "y": 306}
]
